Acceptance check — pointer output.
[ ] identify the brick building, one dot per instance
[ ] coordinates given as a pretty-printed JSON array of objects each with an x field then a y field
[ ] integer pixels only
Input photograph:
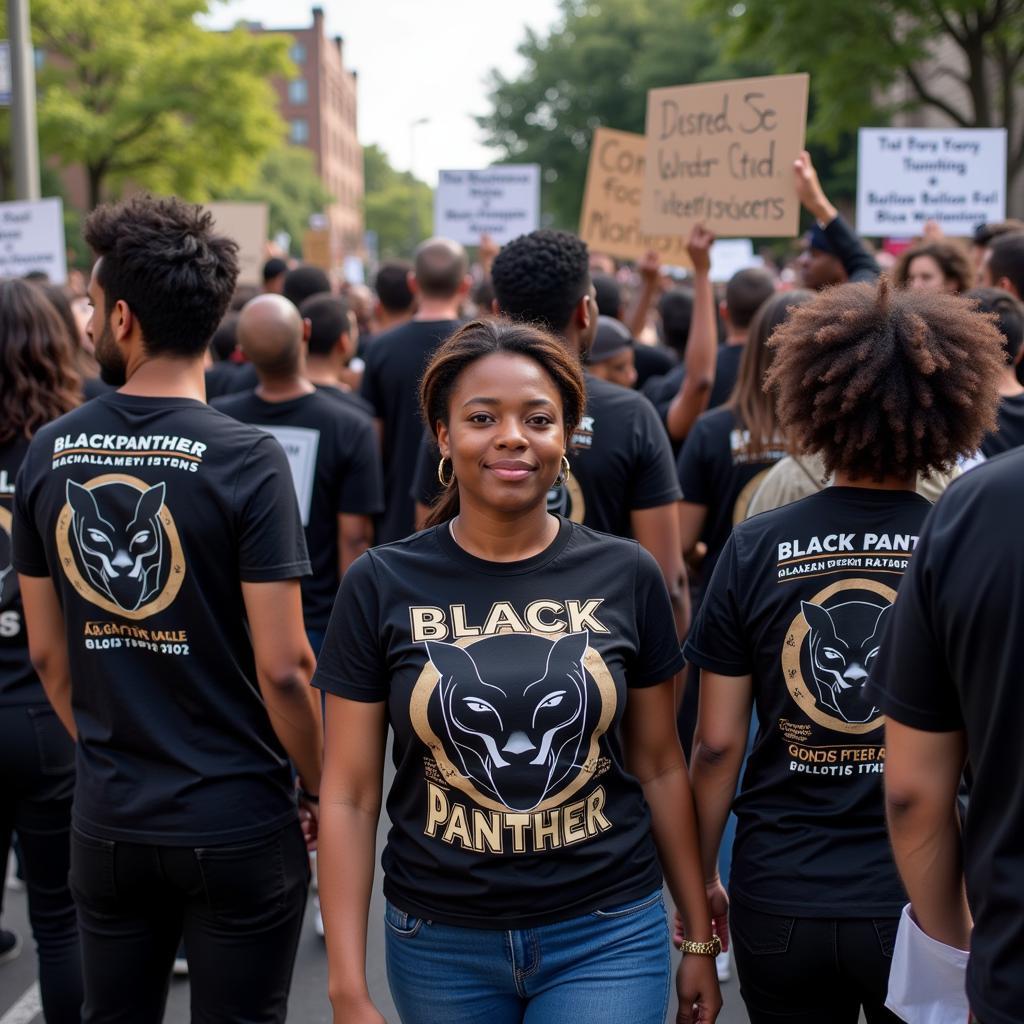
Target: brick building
[{"x": 319, "y": 107}]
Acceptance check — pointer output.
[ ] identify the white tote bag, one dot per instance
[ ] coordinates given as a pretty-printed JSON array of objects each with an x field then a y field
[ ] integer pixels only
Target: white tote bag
[{"x": 927, "y": 978}]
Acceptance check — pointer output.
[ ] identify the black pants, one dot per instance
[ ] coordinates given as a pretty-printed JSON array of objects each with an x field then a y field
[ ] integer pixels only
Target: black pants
[
  {"x": 36, "y": 784},
  {"x": 239, "y": 907},
  {"x": 803, "y": 970}
]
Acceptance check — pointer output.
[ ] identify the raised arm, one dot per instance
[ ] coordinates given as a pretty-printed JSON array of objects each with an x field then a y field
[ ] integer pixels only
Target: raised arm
[
  {"x": 649, "y": 269},
  {"x": 702, "y": 341}
]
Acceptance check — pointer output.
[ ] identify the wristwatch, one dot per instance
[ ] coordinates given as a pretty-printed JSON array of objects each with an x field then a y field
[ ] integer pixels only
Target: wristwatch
[{"x": 712, "y": 948}]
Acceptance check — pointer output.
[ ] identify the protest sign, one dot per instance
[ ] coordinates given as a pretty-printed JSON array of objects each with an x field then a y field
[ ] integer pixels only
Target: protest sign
[
  {"x": 247, "y": 223},
  {"x": 316, "y": 248},
  {"x": 503, "y": 202},
  {"x": 907, "y": 176},
  {"x": 722, "y": 154},
  {"x": 731, "y": 255},
  {"x": 32, "y": 238},
  {"x": 610, "y": 218}
]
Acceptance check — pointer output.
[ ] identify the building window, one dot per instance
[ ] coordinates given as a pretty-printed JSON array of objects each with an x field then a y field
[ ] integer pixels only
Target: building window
[
  {"x": 299, "y": 130},
  {"x": 297, "y": 52},
  {"x": 298, "y": 92}
]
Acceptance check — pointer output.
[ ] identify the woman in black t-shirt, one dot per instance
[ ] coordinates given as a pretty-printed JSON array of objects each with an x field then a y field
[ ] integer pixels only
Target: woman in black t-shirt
[
  {"x": 524, "y": 664},
  {"x": 882, "y": 385},
  {"x": 38, "y": 383}
]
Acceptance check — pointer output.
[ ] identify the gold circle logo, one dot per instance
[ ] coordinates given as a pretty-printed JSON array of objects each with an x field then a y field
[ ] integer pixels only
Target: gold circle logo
[
  {"x": 828, "y": 652},
  {"x": 118, "y": 545}
]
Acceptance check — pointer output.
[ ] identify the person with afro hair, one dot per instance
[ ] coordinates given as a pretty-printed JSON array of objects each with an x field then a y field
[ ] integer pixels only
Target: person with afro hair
[{"x": 882, "y": 385}]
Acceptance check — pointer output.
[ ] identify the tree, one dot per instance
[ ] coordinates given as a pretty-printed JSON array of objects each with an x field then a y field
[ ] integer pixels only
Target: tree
[
  {"x": 136, "y": 90},
  {"x": 594, "y": 68},
  {"x": 288, "y": 183},
  {"x": 961, "y": 58},
  {"x": 396, "y": 205}
]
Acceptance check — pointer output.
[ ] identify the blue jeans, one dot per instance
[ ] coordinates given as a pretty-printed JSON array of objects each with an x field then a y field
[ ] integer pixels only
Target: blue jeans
[{"x": 606, "y": 967}]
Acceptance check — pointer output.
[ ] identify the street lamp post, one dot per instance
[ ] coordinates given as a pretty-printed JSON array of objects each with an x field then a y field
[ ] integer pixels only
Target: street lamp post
[
  {"x": 413, "y": 219},
  {"x": 24, "y": 136}
]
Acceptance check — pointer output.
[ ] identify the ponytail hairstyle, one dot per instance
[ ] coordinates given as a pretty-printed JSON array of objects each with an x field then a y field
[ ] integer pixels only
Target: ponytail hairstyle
[
  {"x": 39, "y": 379},
  {"x": 481, "y": 338}
]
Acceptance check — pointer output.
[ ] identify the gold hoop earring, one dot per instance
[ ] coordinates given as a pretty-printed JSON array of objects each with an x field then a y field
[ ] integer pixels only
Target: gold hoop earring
[
  {"x": 440, "y": 473},
  {"x": 564, "y": 473}
]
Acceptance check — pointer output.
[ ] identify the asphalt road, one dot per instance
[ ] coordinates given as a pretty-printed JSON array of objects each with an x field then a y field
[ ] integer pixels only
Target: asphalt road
[{"x": 308, "y": 1003}]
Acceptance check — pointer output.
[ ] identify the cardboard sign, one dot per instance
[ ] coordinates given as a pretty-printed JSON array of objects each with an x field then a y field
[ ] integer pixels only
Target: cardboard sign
[
  {"x": 316, "y": 248},
  {"x": 247, "y": 223},
  {"x": 503, "y": 202},
  {"x": 907, "y": 176},
  {"x": 32, "y": 238},
  {"x": 610, "y": 218},
  {"x": 722, "y": 154}
]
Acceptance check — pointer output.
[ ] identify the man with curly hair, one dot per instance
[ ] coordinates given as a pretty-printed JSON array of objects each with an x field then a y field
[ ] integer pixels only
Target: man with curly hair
[{"x": 882, "y": 385}]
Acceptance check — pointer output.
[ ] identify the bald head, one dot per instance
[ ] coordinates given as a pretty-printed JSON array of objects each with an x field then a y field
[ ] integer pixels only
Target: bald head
[
  {"x": 439, "y": 268},
  {"x": 270, "y": 333}
]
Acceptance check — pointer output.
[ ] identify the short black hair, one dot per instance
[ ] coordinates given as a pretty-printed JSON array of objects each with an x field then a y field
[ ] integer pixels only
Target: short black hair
[
  {"x": 1008, "y": 313},
  {"x": 328, "y": 318},
  {"x": 439, "y": 266},
  {"x": 745, "y": 293},
  {"x": 274, "y": 267},
  {"x": 392, "y": 286},
  {"x": 1006, "y": 259},
  {"x": 675, "y": 308},
  {"x": 304, "y": 281},
  {"x": 609, "y": 294},
  {"x": 162, "y": 257},
  {"x": 540, "y": 277},
  {"x": 225, "y": 338},
  {"x": 984, "y": 234}
]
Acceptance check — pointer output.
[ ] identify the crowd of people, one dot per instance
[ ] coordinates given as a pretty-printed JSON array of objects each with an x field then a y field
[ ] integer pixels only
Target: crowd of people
[{"x": 612, "y": 557}]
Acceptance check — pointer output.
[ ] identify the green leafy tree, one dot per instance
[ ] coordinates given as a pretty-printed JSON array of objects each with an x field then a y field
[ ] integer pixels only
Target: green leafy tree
[
  {"x": 288, "y": 183},
  {"x": 396, "y": 205},
  {"x": 594, "y": 68},
  {"x": 961, "y": 58},
  {"x": 137, "y": 90}
]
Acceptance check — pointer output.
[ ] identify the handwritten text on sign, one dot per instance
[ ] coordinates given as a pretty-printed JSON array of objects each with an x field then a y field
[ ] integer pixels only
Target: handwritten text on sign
[
  {"x": 32, "y": 238},
  {"x": 906, "y": 177},
  {"x": 503, "y": 202},
  {"x": 722, "y": 154},
  {"x": 610, "y": 219}
]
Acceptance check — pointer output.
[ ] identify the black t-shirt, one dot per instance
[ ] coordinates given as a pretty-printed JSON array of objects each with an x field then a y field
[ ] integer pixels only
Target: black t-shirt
[
  {"x": 93, "y": 387},
  {"x": 146, "y": 513},
  {"x": 18, "y": 682},
  {"x": 661, "y": 390},
  {"x": 651, "y": 361},
  {"x": 350, "y": 399},
  {"x": 394, "y": 365},
  {"x": 335, "y": 464},
  {"x": 619, "y": 457},
  {"x": 798, "y": 600},
  {"x": 717, "y": 470},
  {"x": 952, "y": 660},
  {"x": 1009, "y": 432},
  {"x": 506, "y": 684},
  {"x": 228, "y": 377}
]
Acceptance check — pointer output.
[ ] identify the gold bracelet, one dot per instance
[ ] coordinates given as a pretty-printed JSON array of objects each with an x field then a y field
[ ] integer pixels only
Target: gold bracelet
[{"x": 711, "y": 948}]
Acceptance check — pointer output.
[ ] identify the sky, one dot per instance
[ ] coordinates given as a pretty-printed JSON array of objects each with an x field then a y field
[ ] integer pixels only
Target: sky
[{"x": 416, "y": 59}]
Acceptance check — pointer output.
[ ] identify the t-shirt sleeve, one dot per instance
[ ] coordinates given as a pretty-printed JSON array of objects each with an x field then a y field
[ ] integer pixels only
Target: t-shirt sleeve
[
  {"x": 658, "y": 656},
  {"x": 911, "y": 677},
  {"x": 352, "y": 662},
  {"x": 717, "y": 639},
  {"x": 691, "y": 466},
  {"x": 654, "y": 479},
  {"x": 271, "y": 541},
  {"x": 362, "y": 487},
  {"x": 28, "y": 552}
]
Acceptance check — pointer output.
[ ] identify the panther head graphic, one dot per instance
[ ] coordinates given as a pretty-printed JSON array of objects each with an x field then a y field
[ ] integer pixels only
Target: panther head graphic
[
  {"x": 844, "y": 642},
  {"x": 120, "y": 539},
  {"x": 514, "y": 710}
]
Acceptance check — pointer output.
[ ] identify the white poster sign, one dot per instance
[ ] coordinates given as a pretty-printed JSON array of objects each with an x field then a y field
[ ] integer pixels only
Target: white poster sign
[
  {"x": 300, "y": 444},
  {"x": 503, "y": 202},
  {"x": 907, "y": 176},
  {"x": 32, "y": 238},
  {"x": 731, "y": 255},
  {"x": 5, "y": 73}
]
